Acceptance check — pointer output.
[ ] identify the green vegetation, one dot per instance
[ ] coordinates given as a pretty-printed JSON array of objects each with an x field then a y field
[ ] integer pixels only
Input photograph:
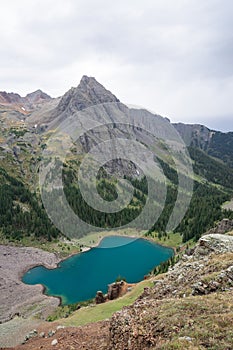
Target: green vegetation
[
  {"x": 211, "y": 169},
  {"x": 108, "y": 192},
  {"x": 21, "y": 212},
  {"x": 208, "y": 327},
  {"x": 168, "y": 239},
  {"x": 205, "y": 207},
  {"x": 93, "y": 239},
  {"x": 164, "y": 266},
  {"x": 221, "y": 147},
  {"x": 64, "y": 311},
  {"x": 204, "y": 210},
  {"x": 18, "y": 132},
  {"x": 103, "y": 311},
  {"x": 23, "y": 216}
]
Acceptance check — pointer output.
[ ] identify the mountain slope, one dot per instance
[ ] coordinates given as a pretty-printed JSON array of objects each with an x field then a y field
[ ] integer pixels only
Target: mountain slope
[
  {"x": 102, "y": 117},
  {"x": 215, "y": 143}
]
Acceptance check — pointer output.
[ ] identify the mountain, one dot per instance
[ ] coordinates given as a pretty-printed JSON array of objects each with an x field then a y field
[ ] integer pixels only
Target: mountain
[
  {"x": 215, "y": 143},
  {"x": 36, "y": 126},
  {"x": 11, "y": 98},
  {"x": 88, "y": 93},
  {"x": 87, "y": 144},
  {"x": 36, "y": 97}
]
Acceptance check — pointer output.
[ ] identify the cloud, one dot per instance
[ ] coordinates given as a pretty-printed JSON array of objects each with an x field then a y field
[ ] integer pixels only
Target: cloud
[{"x": 172, "y": 57}]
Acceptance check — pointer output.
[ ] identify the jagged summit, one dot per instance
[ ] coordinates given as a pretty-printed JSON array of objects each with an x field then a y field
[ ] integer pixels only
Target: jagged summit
[
  {"x": 9, "y": 97},
  {"x": 89, "y": 92},
  {"x": 86, "y": 80},
  {"x": 37, "y": 96},
  {"x": 13, "y": 98}
]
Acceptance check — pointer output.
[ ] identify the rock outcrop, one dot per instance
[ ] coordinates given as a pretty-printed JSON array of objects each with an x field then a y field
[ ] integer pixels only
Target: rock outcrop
[
  {"x": 218, "y": 243},
  {"x": 223, "y": 226},
  {"x": 100, "y": 298},
  {"x": 115, "y": 290},
  {"x": 146, "y": 324}
]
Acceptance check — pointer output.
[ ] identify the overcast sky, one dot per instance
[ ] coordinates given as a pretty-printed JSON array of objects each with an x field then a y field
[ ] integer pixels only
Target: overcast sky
[{"x": 173, "y": 57}]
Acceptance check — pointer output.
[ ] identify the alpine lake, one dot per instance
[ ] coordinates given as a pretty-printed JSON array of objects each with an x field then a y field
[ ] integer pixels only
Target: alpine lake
[{"x": 80, "y": 276}]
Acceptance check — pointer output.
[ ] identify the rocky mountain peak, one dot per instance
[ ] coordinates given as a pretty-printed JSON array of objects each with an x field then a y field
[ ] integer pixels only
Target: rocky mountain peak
[
  {"x": 88, "y": 93},
  {"x": 86, "y": 80},
  {"x": 37, "y": 96},
  {"x": 11, "y": 98},
  {"x": 8, "y": 98}
]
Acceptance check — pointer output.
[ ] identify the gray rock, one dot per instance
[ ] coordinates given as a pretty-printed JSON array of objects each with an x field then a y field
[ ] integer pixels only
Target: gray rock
[
  {"x": 186, "y": 338},
  {"x": 217, "y": 243},
  {"x": 100, "y": 298},
  {"x": 222, "y": 227},
  {"x": 60, "y": 327},
  {"x": 88, "y": 93},
  {"x": 54, "y": 342},
  {"x": 51, "y": 333}
]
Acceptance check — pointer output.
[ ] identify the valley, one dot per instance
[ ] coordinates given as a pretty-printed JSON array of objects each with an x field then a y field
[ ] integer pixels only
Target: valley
[{"x": 81, "y": 168}]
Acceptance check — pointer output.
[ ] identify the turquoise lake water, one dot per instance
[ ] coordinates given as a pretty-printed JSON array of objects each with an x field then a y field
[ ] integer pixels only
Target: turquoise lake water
[{"x": 80, "y": 276}]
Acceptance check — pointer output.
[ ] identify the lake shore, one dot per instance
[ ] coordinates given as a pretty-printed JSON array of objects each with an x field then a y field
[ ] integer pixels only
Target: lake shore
[
  {"x": 18, "y": 298},
  {"x": 22, "y": 301},
  {"x": 99, "y": 238},
  {"x": 66, "y": 280},
  {"x": 93, "y": 239}
]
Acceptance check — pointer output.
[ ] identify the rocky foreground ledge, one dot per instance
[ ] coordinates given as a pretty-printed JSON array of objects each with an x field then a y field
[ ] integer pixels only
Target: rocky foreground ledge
[
  {"x": 190, "y": 307},
  {"x": 17, "y": 298}
]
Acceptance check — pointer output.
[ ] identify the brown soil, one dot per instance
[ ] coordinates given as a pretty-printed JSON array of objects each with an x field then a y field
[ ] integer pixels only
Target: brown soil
[{"x": 89, "y": 337}]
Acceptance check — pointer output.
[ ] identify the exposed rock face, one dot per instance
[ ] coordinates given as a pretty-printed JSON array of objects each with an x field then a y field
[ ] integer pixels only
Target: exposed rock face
[
  {"x": 217, "y": 243},
  {"x": 215, "y": 143},
  {"x": 37, "y": 97},
  {"x": 7, "y": 98},
  {"x": 170, "y": 311},
  {"x": 115, "y": 290},
  {"x": 194, "y": 134},
  {"x": 100, "y": 298},
  {"x": 223, "y": 226},
  {"x": 31, "y": 98},
  {"x": 88, "y": 93}
]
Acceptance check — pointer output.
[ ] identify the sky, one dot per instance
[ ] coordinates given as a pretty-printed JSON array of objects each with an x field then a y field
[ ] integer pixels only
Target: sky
[{"x": 172, "y": 57}]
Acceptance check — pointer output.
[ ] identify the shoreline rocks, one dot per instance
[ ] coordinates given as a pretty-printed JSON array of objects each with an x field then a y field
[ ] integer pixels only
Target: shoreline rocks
[{"x": 18, "y": 298}]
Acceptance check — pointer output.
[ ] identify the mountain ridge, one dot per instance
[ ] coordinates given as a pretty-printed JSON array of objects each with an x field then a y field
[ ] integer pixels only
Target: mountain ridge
[
  {"x": 15, "y": 98},
  {"x": 90, "y": 92},
  {"x": 203, "y": 277},
  {"x": 23, "y": 138}
]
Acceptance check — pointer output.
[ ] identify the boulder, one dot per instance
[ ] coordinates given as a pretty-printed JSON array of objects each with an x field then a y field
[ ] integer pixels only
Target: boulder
[
  {"x": 100, "y": 298},
  {"x": 217, "y": 243},
  {"x": 54, "y": 342},
  {"x": 115, "y": 289}
]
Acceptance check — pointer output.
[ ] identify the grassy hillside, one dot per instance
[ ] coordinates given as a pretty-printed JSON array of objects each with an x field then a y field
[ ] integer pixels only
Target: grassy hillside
[{"x": 94, "y": 313}]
